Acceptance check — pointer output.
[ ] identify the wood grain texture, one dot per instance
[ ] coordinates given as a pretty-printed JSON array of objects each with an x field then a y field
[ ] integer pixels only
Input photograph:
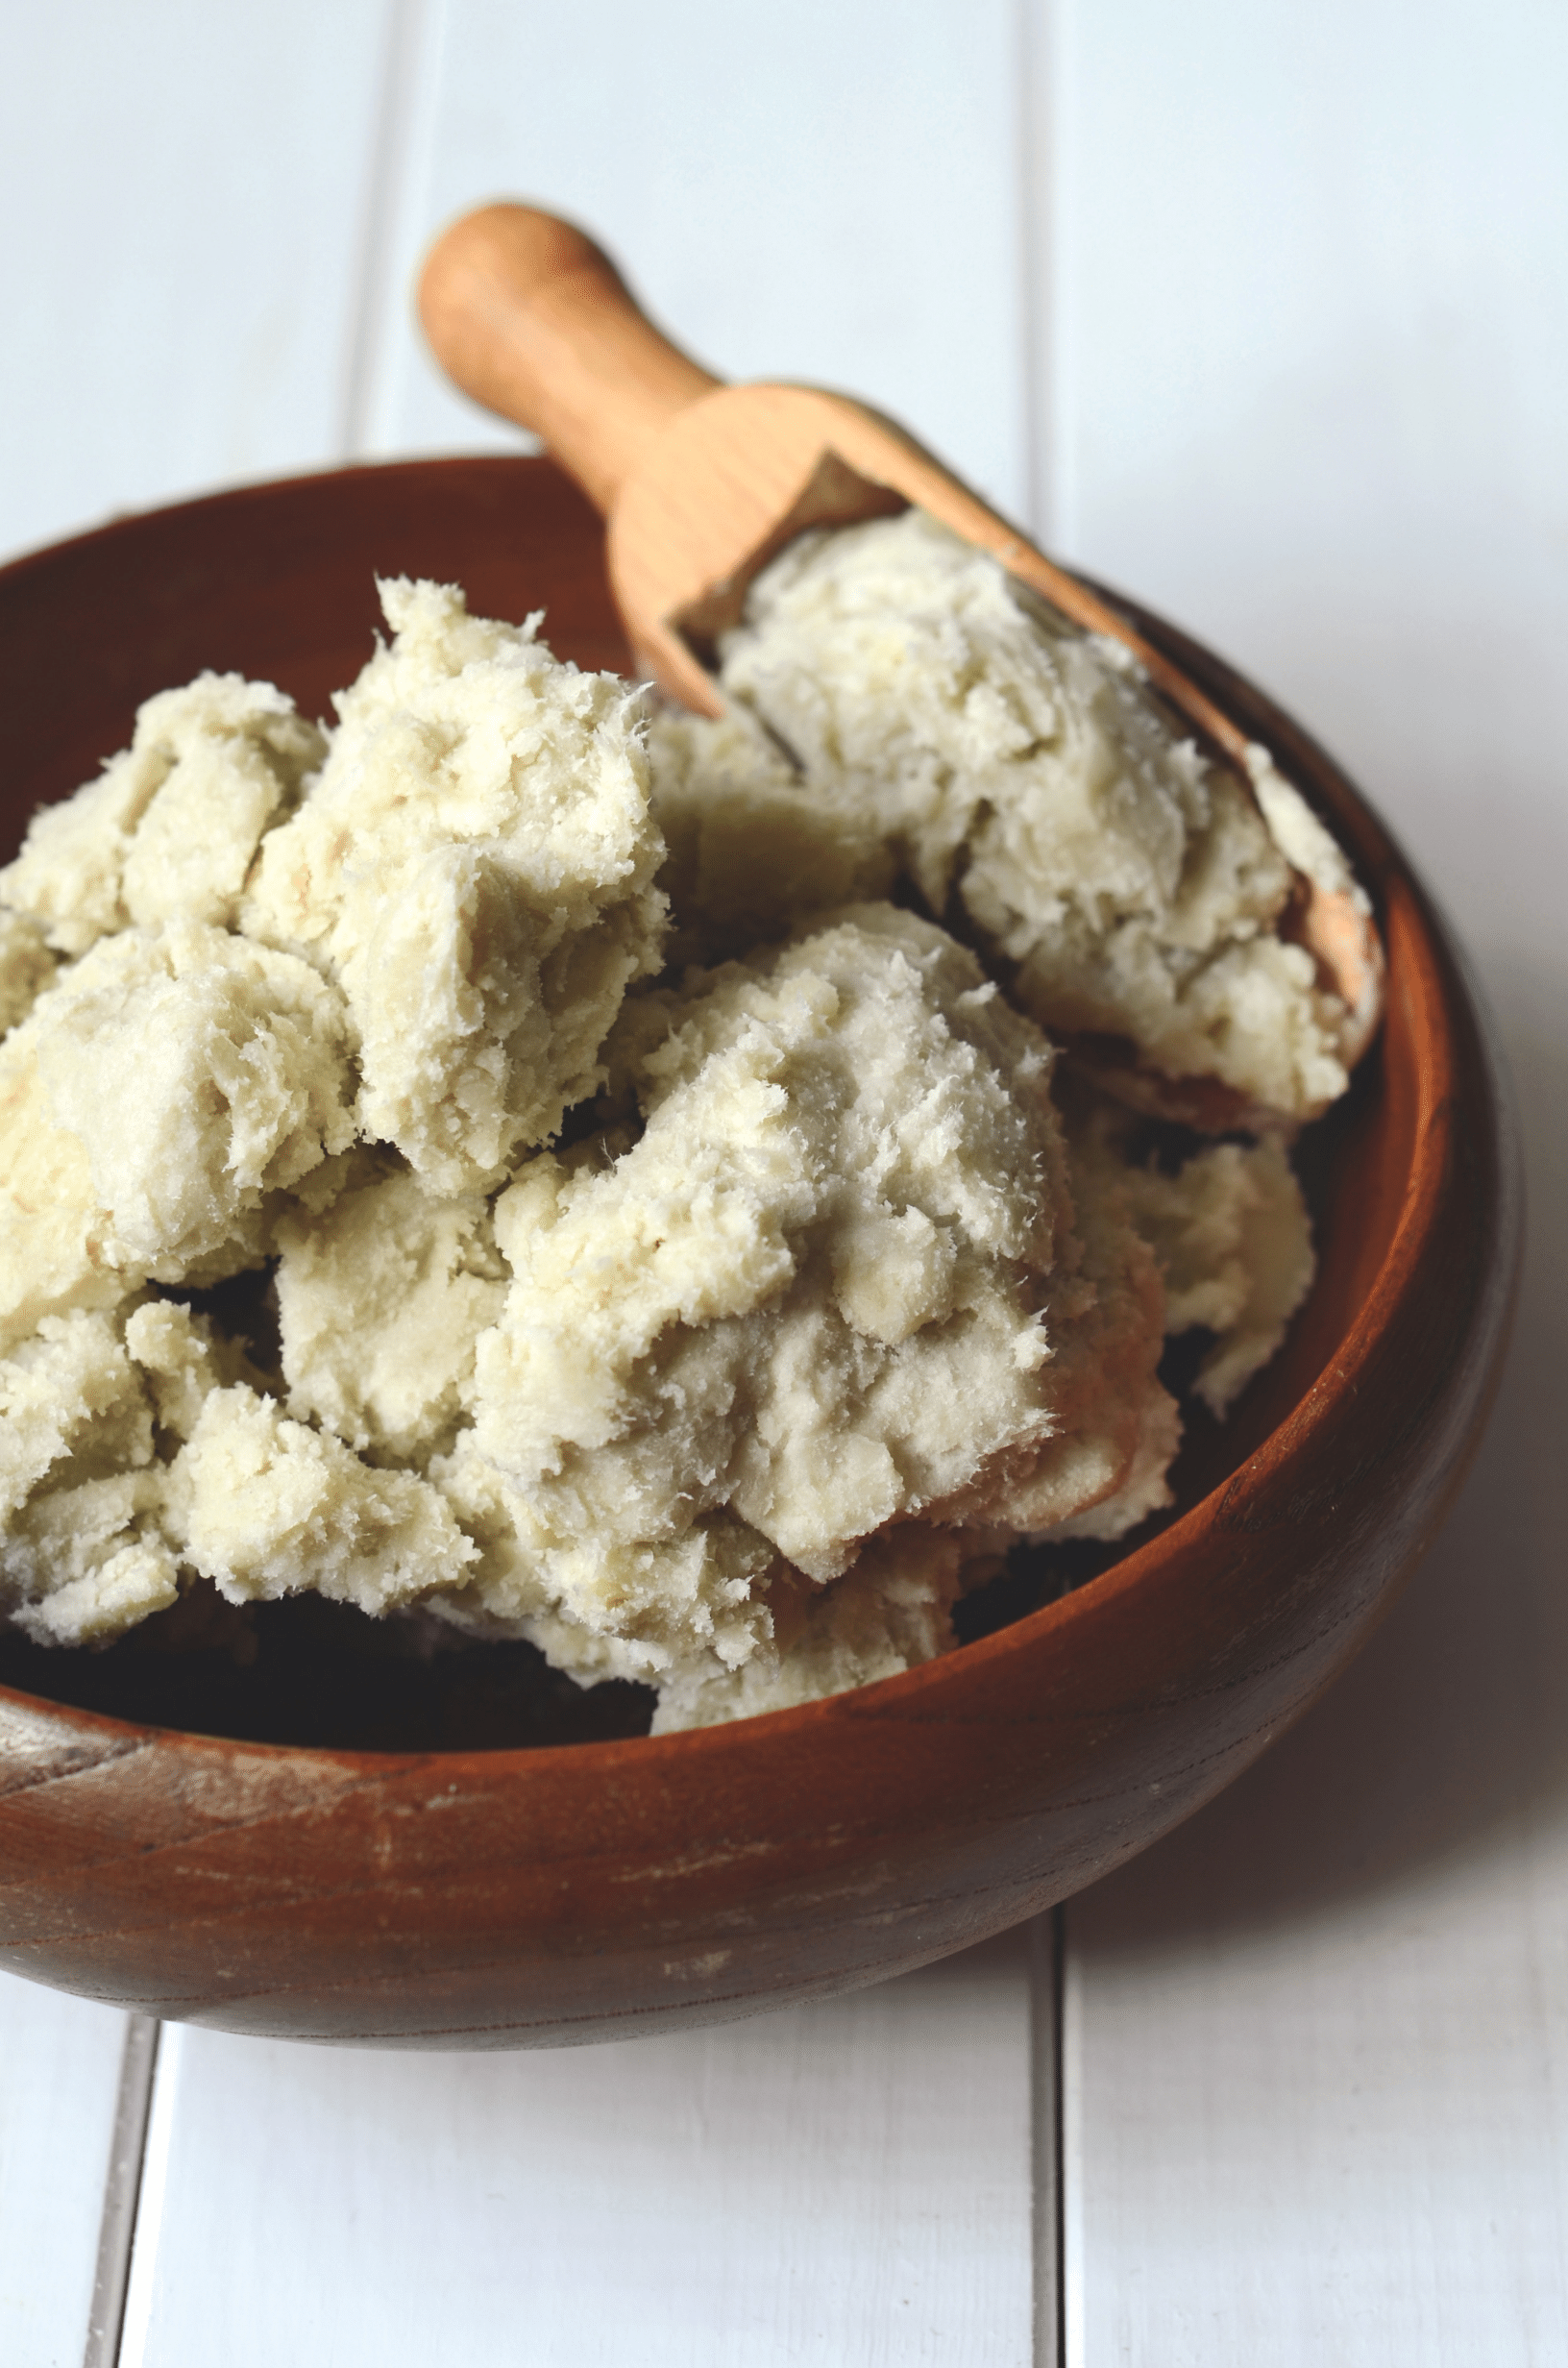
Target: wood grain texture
[
  {"x": 508, "y": 1898},
  {"x": 526, "y": 314},
  {"x": 60, "y": 2065},
  {"x": 848, "y": 2184}
]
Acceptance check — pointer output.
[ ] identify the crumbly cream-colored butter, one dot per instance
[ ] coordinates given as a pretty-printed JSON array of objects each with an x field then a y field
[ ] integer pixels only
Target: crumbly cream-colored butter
[
  {"x": 154, "y": 1098},
  {"x": 268, "y": 1506},
  {"x": 1230, "y": 1231},
  {"x": 170, "y": 829},
  {"x": 26, "y": 966},
  {"x": 271, "y": 940},
  {"x": 1027, "y": 781},
  {"x": 73, "y": 1403},
  {"x": 821, "y": 1305},
  {"x": 82, "y": 1548},
  {"x": 827, "y": 1289},
  {"x": 474, "y": 868},
  {"x": 202, "y": 1073},
  {"x": 889, "y": 1613},
  {"x": 752, "y": 847},
  {"x": 136, "y": 1445},
  {"x": 381, "y": 1299}
]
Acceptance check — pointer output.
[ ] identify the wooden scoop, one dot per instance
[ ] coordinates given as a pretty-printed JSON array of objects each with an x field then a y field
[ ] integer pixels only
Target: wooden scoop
[{"x": 702, "y": 484}]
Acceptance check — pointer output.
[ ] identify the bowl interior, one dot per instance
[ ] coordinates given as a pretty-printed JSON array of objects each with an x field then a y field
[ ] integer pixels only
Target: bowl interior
[{"x": 278, "y": 581}]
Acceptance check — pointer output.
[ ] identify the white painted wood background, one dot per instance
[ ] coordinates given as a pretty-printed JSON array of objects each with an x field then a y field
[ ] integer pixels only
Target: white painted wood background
[{"x": 1262, "y": 313}]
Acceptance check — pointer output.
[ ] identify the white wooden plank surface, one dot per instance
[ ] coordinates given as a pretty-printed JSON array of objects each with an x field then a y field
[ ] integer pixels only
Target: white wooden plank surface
[
  {"x": 1312, "y": 340},
  {"x": 847, "y": 2183},
  {"x": 1317, "y": 2051},
  {"x": 60, "y": 2065},
  {"x": 1304, "y": 351},
  {"x": 1312, "y": 367},
  {"x": 817, "y": 192},
  {"x": 184, "y": 191}
]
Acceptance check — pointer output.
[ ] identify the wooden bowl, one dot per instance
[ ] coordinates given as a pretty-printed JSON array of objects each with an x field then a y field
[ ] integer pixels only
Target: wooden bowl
[{"x": 511, "y": 1898}]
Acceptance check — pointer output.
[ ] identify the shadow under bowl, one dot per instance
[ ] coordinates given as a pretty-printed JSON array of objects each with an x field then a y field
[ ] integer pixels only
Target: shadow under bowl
[{"x": 576, "y": 1892}]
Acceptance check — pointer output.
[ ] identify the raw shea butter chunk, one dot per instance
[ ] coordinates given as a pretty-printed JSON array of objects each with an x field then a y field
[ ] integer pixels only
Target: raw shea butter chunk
[
  {"x": 26, "y": 966},
  {"x": 171, "y": 827},
  {"x": 891, "y": 1610},
  {"x": 153, "y": 1097},
  {"x": 381, "y": 1299},
  {"x": 269, "y": 1506},
  {"x": 752, "y": 845},
  {"x": 1029, "y": 783},
  {"x": 474, "y": 868},
  {"x": 1230, "y": 1232},
  {"x": 427, "y": 950},
  {"x": 82, "y": 1549},
  {"x": 829, "y": 1287},
  {"x": 95, "y": 1489},
  {"x": 719, "y": 1334},
  {"x": 72, "y": 1401}
]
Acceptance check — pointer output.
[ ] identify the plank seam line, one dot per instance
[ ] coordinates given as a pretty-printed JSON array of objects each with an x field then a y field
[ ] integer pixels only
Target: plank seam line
[
  {"x": 1058, "y": 2217},
  {"x": 1032, "y": 195},
  {"x": 122, "y": 2191},
  {"x": 376, "y": 259},
  {"x": 147, "y": 2238},
  {"x": 1046, "y": 1946}
]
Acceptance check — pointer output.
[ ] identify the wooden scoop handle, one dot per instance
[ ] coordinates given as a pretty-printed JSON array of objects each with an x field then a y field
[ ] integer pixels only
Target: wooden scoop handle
[{"x": 533, "y": 320}]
